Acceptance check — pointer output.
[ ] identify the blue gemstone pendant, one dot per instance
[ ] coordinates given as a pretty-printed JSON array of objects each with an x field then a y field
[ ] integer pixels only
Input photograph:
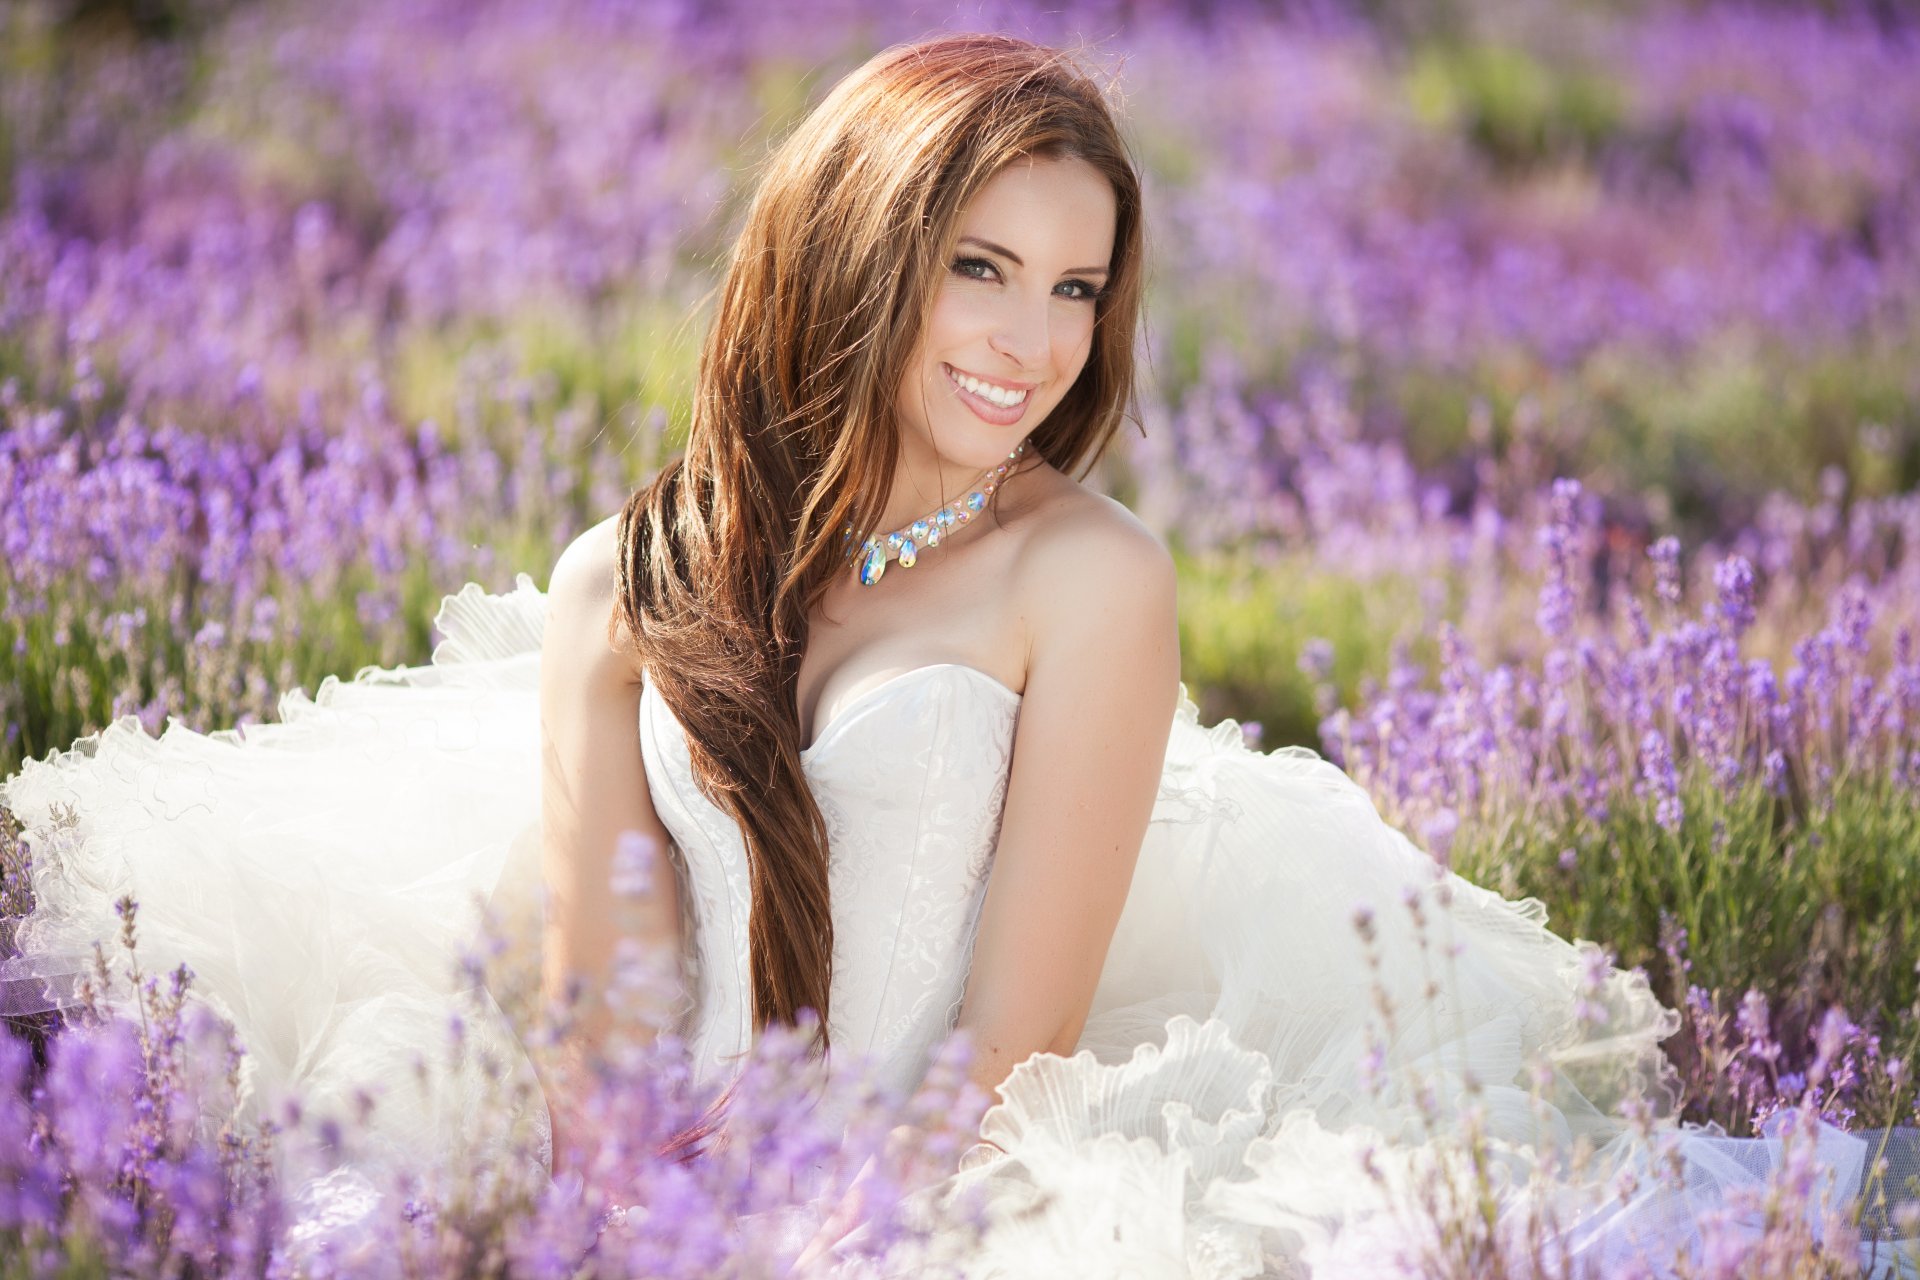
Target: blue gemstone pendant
[{"x": 873, "y": 563}]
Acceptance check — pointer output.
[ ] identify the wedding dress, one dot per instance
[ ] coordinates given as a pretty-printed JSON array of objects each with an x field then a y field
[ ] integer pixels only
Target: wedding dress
[{"x": 1298, "y": 1017}]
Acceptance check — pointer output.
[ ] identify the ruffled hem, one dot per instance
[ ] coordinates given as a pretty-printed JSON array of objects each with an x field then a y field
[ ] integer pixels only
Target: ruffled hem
[{"x": 322, "y": 877}]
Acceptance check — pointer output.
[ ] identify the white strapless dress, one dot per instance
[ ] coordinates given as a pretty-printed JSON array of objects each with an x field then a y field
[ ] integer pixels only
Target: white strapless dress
[{"x": 1237, "y": 1106}]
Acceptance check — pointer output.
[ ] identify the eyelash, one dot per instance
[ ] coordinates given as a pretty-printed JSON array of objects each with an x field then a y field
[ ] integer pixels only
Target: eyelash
[{"x": 1091, "y": 295}]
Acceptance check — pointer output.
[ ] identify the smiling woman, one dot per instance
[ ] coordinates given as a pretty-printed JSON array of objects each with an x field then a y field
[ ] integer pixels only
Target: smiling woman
[
  {"x": 1013, "y": 322},
  {"x": 855, "y": 384},
  {"x": 865, "y": 395}
]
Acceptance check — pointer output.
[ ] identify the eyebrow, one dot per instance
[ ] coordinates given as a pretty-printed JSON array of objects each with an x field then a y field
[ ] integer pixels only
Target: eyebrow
[{"x": 1014, "y": 258}]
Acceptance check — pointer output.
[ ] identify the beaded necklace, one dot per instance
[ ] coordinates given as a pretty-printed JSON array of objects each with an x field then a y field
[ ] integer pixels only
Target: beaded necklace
[{"x": 905, "y": 542}]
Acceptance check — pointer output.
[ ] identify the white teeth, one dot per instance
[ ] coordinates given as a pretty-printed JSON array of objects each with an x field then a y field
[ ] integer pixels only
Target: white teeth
[{"x": 987, "y": 391}]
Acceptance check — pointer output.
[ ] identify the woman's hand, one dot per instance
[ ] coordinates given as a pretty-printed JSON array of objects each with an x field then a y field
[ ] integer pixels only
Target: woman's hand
[
  {"x": 565, "y": 1082},
  {"x": 851, "y": 1209}
]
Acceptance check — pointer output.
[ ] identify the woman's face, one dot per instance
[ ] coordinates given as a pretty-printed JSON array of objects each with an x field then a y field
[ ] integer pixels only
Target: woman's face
[{"x": 1012, "y": 323}]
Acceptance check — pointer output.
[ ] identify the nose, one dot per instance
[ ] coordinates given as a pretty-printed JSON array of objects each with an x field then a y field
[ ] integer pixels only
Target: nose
[{"x": 1021, "y": 334}]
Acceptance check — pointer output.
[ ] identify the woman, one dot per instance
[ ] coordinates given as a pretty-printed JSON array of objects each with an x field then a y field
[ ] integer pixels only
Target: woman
[
  {"x": 860, "y": 376},
  {"x": 900, "y": 696}
]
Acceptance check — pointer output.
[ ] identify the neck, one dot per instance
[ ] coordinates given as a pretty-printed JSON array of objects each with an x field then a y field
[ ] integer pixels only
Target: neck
[
  {"x": 922, "y": 481},
  {"x": 927, "y": 527}
]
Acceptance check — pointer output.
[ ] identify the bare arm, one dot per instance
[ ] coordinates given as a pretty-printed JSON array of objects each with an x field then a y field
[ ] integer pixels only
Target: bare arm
[
  {"x": 593, "y": 789},
  {"x": 1102, "y": 678},
  {"x": 1103, "y": 673}
]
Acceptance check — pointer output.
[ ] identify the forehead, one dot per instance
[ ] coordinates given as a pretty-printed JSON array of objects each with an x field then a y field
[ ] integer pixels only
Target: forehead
[{"x": 1058, "y": 212}]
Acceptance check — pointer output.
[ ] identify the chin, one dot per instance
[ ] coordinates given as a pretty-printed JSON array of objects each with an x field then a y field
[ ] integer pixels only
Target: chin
[
  {"x": 966, "y": 439},
  {"x": 965, "y": 447}
]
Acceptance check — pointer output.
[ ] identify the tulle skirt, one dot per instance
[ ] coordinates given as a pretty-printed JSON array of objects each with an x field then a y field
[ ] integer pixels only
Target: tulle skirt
[{"x": 1308, "y": 1042}]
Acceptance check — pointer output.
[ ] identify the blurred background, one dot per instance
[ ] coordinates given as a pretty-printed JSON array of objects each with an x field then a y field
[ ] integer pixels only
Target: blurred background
[{"x": 1532, "y": 393}]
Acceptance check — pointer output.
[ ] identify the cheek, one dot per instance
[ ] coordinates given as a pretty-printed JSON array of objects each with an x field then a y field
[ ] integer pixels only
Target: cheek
[
  {"x": 959, "y": 318},
  {"x": 957, "y": 311},
  {"x": 923, "y": 386},
  {"x": 1073, "y": 344}
]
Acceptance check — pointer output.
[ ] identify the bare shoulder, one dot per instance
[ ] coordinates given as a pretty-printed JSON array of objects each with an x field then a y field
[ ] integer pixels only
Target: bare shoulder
[
  {"x": 587, "y": 571},
  {"x": 1076, "y": 542},
  {"x": 581, "y": 599},
  {"x": 1087, "y": 571}
]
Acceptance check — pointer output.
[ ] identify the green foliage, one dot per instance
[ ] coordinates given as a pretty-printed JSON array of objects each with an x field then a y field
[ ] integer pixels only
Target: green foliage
[
  {"x": 1510, "y": 104},
  {"x": 1825, "y": 902},
  {"x": 641, "y": 352},
  {"x": 1244, "y": 625},
  {"x": 65, "y": 670},
  {"x": 1742, "y": 420},
  {"x": 1700, "y": 438}
]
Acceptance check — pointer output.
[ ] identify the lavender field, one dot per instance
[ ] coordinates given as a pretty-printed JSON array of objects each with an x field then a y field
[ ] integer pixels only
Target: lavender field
[{"x": 1533, "y": 407}]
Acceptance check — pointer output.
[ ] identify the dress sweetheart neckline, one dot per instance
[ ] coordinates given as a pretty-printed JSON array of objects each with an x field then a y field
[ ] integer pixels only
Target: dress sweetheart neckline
[{"x": 845, "y": 713}]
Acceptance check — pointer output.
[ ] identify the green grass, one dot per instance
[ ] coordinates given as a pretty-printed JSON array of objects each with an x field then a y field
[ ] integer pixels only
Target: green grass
[
  {"x": 73, "y": 667},
  {"x": 1244, "y": 625},
  {"x": 638, "y": 351}
]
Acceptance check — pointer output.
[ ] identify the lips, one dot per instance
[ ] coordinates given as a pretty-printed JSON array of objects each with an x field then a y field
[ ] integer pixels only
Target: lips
[{"x": 985, "y": 408}]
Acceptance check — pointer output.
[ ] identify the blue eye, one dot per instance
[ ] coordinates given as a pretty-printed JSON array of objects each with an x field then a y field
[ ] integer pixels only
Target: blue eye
[
  {"x": 1087, "y": 292},
  {"x": 965, "y": 267}
]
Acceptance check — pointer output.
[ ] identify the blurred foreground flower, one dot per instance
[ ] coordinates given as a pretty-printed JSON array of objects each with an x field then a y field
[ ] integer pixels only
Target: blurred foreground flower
[{"x": 130, "y": 1140}]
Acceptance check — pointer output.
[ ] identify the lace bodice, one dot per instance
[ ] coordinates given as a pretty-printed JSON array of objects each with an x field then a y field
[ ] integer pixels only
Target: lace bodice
[{"x": 910, "y": 778}]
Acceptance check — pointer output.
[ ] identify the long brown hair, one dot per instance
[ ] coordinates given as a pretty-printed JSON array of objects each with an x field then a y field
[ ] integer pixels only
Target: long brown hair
[{"x": 727, "y": 550}]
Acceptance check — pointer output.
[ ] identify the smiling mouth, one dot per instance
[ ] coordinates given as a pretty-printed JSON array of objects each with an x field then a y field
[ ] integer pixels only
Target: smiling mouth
[{"x": 994, "y": 394}]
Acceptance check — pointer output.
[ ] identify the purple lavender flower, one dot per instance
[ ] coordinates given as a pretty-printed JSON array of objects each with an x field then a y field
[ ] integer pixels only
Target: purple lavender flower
[
  {"x": 1659, "y": 779},
  {"x": 1665, "y": 554},
  {"x": 1316, "y": 659},
  {"x": 634, "y": 856},
  {"x": 1560, "y": 538},
  {"x": 1733, "y": 581}
]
